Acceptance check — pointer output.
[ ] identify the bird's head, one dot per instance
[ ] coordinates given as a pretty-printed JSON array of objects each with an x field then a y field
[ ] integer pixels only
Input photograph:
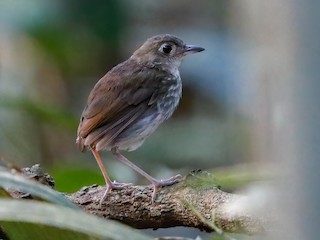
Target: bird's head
[{"x": 164, "y": 49}]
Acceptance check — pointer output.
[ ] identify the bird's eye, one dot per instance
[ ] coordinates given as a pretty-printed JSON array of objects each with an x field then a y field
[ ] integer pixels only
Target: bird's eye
[{"x": 166, "y": 48}]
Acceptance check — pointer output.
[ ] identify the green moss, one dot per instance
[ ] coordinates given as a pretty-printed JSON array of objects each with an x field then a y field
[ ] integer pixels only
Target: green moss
[{"x": 201, "y": 179}]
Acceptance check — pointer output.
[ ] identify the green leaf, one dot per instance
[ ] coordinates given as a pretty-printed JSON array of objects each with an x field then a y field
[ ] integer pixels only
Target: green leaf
[
  {"x": 69, "y": 178},
  {"x": 25, "y": 219},
  {"x": 23, "y": 184},
  {"x": 4, "y": 193}
]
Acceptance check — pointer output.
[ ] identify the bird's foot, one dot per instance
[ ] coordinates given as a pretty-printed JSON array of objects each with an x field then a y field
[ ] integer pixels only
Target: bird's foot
[
  {"x": 117, "y": 185},
  {"x": 167, "y": 182},
  {"x": 113, "y": 185},
  {"x": 157, "y": 184}
]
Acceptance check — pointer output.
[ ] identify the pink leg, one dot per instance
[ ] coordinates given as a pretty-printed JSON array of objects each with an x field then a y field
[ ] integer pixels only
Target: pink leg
[
  {"x": 155, "y": 182},
  {"x": 109, "y": 184}
]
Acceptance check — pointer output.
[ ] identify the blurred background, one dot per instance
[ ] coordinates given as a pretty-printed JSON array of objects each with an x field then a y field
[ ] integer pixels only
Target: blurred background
[
  {"x": 245, "y": 107},
  {"x": 53, "y": 52}
]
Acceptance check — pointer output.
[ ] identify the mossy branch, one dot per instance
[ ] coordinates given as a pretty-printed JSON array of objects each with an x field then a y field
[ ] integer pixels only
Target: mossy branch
[{"x": 133, "y": 206}]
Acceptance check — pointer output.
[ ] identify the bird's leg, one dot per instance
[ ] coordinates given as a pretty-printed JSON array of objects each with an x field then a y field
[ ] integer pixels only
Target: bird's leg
[
  {"x": 155, "y": 182},
  {"x": 109, "y": 184}
]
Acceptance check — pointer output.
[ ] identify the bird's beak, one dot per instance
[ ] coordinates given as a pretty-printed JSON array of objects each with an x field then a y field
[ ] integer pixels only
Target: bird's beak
[{"x": 192, "y": 49}]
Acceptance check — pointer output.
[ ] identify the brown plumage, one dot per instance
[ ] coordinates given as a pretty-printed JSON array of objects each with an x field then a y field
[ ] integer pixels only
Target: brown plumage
[{"x": 132, "y": 100}]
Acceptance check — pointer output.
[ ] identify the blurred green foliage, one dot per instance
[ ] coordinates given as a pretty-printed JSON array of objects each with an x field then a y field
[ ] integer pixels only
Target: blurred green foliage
[
  {"x": 59, "y": 219},
  {"x": 26, "y": 219},
  {"x": 26, "y": 231},
  {"x": 70, "y": 178},
  {"x": 82, "y": 35},
  {"x": 51, "y": 114},
  {"x": 53, "y": 53}
]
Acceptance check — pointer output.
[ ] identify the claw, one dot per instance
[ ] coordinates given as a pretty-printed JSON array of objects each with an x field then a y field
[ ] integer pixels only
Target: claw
[
  {"x": 161, "y": 183},
  {"x": 110, "y": 186}
]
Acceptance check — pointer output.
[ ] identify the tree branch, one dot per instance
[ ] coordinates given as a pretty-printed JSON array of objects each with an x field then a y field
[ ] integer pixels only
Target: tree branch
[{"x": 133, "y": 206}]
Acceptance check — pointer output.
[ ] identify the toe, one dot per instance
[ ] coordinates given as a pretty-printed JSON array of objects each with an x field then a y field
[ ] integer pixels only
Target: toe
[
  {"x": 117, "y": 185},
  {"x": 167, "y": 182}
]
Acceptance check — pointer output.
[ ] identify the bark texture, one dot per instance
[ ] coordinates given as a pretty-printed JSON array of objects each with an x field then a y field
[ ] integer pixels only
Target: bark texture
[
  {"x": 133, "y": 206},
  {"x": 178, "y": 205}
]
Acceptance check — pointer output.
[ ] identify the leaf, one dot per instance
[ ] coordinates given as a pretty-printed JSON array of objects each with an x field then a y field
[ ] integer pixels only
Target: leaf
[
  {"x": 69, "y": 178},
  {"x": 25, "y": 219},
  {"x": 211, "y": 224},
  {"x": 21, "y": 183},
  {"x": 4, "y": 193}
]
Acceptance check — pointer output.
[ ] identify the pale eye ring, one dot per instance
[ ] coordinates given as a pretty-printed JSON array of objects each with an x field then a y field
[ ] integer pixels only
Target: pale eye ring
[{"x": 166, "y": 48}]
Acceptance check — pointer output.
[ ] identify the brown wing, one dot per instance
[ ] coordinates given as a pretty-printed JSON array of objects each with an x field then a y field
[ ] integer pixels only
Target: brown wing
[{"x": 118, "y": 99}]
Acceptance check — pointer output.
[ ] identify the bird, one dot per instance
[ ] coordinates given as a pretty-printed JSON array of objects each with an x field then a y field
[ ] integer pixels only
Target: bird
[{"x": 130, "y": 101}]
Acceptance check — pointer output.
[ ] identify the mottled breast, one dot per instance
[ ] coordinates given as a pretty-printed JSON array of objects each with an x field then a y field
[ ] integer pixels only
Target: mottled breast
[{"x": 169, "y": 100}]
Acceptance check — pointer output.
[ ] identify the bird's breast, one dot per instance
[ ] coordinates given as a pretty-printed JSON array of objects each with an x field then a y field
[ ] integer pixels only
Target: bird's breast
[{"x": 169, "y": 100}]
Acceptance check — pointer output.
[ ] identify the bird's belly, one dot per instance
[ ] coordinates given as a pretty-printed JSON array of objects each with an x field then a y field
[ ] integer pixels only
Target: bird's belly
[{"x": 134, "y": 136}]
